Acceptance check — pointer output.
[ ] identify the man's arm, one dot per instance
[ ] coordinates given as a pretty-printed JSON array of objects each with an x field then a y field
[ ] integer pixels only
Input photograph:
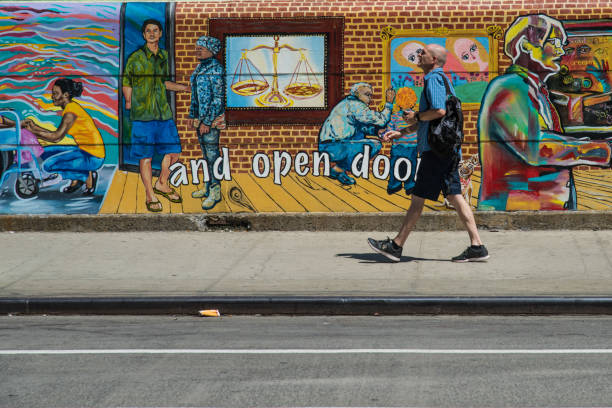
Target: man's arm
[
  {"x": 127, "y": 82},
  {"x": 176, "y": 87},
  {"x": 127, "y": 94}
]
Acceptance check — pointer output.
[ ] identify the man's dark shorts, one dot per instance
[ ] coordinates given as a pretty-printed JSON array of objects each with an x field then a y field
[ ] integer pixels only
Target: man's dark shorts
[{"x": 435, "y": 175}]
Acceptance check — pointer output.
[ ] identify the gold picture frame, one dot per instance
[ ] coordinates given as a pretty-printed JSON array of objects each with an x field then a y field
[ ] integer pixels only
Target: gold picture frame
[{"x": 466, "y": 67}]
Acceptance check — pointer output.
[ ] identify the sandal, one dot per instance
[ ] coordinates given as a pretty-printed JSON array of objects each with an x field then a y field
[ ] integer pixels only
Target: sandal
[
  {"x": 94, "y": 182},
  {"x": 153, "y": 206},
  {"x": 168, "y": 194},
  {"x": 74, "y": 186}
]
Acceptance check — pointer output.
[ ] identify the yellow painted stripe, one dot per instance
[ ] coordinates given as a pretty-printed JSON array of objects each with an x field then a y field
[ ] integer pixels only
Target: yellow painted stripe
[
  {"x": 328, "y": 195},
  {"x": 234, "y": 199},
  {"x": 114, "y": 193},
  {"x": 429, "y": 205},
  {"x": 128, "y": 198},
  {"x": 588, "y": 201},
  {"x": 328, "y": 198},
  {"x": 378, "y": 201},
  {"x": 585, "y": 203},
  {"x": 303, "y": 191},
  {"x": 279, "y": 194},
  {"x": 260, "y": 199},
  {"x": 191, "y": 205},
  {"x": 398, "y": 199},
  {"x": 346, "y": 194}
]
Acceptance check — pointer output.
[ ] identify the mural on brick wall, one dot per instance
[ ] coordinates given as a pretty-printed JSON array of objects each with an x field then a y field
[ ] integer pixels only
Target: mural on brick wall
[
  {"x": 116, "y": 108},
  {"x": 59, "y": 67},
  {"x": 470, "y": 63},
  {"x": 527, "y": 153}
]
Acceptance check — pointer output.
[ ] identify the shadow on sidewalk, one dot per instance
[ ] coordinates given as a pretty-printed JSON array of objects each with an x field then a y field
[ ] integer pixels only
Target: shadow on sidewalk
[{"x": 377, "y": 258}]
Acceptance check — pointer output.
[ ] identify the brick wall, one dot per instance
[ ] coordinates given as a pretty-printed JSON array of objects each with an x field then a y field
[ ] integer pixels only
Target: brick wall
[{"x": 362, "y": 51}]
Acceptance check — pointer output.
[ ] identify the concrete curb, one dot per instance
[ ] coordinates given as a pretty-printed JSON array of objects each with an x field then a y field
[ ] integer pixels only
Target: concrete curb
[
  {"x": 447, "y": 221},
  {"x": 289, "y": 305}
]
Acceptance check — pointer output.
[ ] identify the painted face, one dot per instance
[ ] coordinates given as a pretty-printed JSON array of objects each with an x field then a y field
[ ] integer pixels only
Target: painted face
[
  {"x": 152, "y": 33},
  {"x": 550, "y": 52},
  {"x": 57, "y": 96},
  {"x": 203, "y": 52},
  {"x": 364, "y": 94},
  {"x": 411, "y": 52},
  {"x": 467, "y": 51}
]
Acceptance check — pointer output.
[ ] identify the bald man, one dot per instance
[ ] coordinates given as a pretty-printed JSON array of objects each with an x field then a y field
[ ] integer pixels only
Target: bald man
[{"x": 434, "y": 174}]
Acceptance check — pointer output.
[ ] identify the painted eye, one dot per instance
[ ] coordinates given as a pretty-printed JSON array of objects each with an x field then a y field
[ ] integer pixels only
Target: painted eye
[
  {"x": 584, "y": 49},
  {"x": 465, "y": 56},
  {"x": 600, "y": 52},
  {"x": 569, "y": 50},
  {"x": 473, "y": 48}
]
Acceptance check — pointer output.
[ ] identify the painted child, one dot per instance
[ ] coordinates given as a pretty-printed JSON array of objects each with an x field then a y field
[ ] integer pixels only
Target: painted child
[{"x": 404, "y": 147}]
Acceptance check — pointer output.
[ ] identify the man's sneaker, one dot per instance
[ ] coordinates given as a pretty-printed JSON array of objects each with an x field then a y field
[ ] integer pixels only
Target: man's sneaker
[
  {"x": 474, "y": 253},
  {"x": 387, "y": 248}
]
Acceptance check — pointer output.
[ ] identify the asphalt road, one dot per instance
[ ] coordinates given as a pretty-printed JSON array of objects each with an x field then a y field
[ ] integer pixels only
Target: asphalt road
[{"x": 166, "y": 361}]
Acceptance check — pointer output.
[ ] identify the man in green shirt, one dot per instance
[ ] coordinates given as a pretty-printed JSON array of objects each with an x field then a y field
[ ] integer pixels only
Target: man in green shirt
[{"x": 145, "y": 81}]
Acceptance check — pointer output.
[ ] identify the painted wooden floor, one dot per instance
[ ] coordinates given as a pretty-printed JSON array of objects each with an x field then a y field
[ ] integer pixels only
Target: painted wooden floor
[{"x": 247, "y": 193}]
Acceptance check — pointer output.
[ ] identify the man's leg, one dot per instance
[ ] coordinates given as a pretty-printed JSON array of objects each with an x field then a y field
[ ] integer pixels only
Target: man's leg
[
  {"x": 146, "y": 175},
  {"x": 164, "y": 173},
  {"x": 337, "y": 152},
  {"x": 167, "y": 142},
  {"x": 142, "y": 148},
  {"x": 210, "y": 148},
  {"x": 161, "y": 185},
  {"x": 412, "y": 216},
  {"x": 392, "y": 248},
  {"x": 467, "y": 217},
  {"x": 477, "y": 251}
]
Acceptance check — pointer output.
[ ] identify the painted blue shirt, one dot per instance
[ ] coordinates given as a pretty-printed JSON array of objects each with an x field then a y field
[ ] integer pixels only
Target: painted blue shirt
[
  {"x": 353, "y": 119},
  {"x": 207, "y": 91},
  {"x": 436, "y": 99}
]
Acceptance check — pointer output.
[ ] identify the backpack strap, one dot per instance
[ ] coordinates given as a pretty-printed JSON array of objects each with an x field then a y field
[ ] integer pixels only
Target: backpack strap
[{"x": 446, "y": 85}]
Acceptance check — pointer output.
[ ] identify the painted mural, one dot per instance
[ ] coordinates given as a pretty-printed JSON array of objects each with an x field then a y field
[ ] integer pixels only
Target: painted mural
[
  {"x": 471, "y": 60},
  {"x": 104, "y": 110},
  {"x": 59, "y": 67},
  {"x": 296, "y": 64},
  {"x": 526, "y": 153}
]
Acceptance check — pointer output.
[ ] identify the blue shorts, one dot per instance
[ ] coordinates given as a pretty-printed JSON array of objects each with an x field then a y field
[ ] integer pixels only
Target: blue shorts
[
  {"x": 155, "y": 136},
  {"x": 402, "y": 151},
  {"x": 435, "y": 175}
]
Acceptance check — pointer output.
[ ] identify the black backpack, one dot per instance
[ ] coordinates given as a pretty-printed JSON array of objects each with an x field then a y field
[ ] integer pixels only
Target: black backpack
[{"x": 446, "y": 134}]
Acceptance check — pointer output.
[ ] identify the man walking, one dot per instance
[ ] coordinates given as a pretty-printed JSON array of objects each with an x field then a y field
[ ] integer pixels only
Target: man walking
[
  {"x": 434, "y": 174},
  {"x": 145, "y": 80}
]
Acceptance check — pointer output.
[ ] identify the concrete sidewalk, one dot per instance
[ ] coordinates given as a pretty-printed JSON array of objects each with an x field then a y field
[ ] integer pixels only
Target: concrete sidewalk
[{"x": 303, "y": 272}]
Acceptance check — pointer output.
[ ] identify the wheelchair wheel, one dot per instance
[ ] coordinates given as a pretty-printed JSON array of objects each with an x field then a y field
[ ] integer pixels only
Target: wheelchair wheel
[{"x": 26, "y": 186}]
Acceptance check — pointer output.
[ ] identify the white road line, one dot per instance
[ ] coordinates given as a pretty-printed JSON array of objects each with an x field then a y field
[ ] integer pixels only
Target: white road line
[{"x": 308, "y": 351}]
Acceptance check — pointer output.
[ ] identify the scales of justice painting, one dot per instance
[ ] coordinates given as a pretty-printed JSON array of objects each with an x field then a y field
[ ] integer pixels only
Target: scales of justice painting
[{"x": 275, "y": 71}]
